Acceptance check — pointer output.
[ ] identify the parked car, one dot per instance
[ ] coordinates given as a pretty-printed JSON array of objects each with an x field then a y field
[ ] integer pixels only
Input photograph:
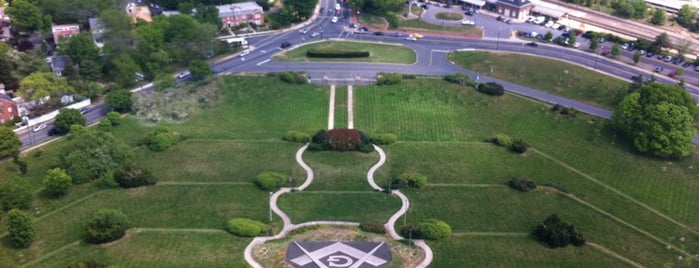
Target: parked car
[
  {"x": 678, "y": 60},
  {"x": 605, "y": 51},
  {"x": 696, "y": 68},
  {"x": 686, "y": 64},
  {"x": 508, "y": 21},
  {"x": 285, "y": 45},
  {"x": 556, "y": 26},
  {"x": 39, "y": 127},
  {"x": 549, "y": 24},
  {"x": 183, "y": 74},
  {"x": 667, "y": 58},
  {"x": 659, "y": 69},
  {"x": 650, "y": 54},
  {"x": 624, "y": 46}
]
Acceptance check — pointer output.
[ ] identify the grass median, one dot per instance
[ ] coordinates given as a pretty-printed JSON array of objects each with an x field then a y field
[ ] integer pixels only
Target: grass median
[{"x": 383, "y": 53}]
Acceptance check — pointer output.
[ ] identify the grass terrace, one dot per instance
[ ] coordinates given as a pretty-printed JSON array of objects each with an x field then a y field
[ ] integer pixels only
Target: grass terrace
[
  {"x": 449, "y": 16},
  {"x": 384, "y": 53}
]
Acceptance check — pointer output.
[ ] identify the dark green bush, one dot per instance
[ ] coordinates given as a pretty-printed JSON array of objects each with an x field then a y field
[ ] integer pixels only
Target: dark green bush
[
  {"x": 293, "y": 77},
  {"x": 336, "y": 53},
  {"x": 414, "y": 179},
  {"x": 15, "y": 193},
  {"x": 321, "y": 137},
  {"x": 270, "y": 181},
  {"x": 245, "y": 227},
  {"x": 372, "y": 227},
  {"x": 398, "y": 183},
  {"x": 460, "y": 78},
  {"x": 131, "y": 176},
  {"x": 392, "y": 18},
  {"x": 389, "y": 79},
  {"x": 366, "y": 148},
  {"x": 296, "y": 136},
  {"x": 316, "y": 147},
  {"x": 523, "y": 184},
  {"x": 428, "y": 229},
  {"x": 558, "y": 233},
  {"x": 491, "y": 88},
  {"x": 384, "y": 138},
  {"x": 106, "y": 225},
  {"x": 519, "y": 146}
]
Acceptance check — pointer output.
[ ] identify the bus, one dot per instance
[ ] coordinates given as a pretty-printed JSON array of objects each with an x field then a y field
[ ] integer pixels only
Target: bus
[{"x": 237, "y": 42}]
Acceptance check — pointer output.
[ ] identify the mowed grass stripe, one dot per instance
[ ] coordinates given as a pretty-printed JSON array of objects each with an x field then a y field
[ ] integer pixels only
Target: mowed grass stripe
[
  {"x": 357, "y": 207},
  {"x": 340, "y": 171},
  {"x": 341, "y": 115},
  {"x": 159, "y": 249}
]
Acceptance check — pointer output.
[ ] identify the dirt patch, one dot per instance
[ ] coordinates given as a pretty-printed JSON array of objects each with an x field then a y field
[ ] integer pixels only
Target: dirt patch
[
  {"x": 272, "y": 253},
  {"x": 139, "y": 12},
  {"x": 178, "y": 104}
]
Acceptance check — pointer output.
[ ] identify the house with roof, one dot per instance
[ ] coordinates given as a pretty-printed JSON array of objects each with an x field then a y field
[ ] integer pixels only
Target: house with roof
[
  {"x": 518, "y": 9},
  {"x": 64, "y": 31},
  {"x": 97, "y": 31},
  {"x": 235, "y": 14},
  {"x": 58, "y": 64},
  {"x": 8, "y": 108}
]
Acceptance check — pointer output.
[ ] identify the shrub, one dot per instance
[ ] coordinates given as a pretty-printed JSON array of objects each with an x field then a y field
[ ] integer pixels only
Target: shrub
[
  {"x": 392, "y": 19},
  {"x": 366, "y": 148},
  {"x": 460, "y": 78},
  {"x": 316, "y": 147},
  {"x": 88, "y": 264},
  {"x": 414, "y": 179},
  {"x": 161, "y": 139},
  {"x": 321, "y": 137},
  {"x": 389, "y": 79},
  {"x": 57, "y": 182},
  {"x": 384, "y": 138},
  {"x": 106, "y": 225},
  {"x": 245, "y": 227},
  {"x": 15, "y": 193},
  {"x": 519, "y": 146},
  {"x": 293, "y": 77},
  {"x": 501, "y": 140},
  {"x": 129, "y": 176},
  {"x": 428, "y": 229},
  {"x": 119, "y": 100},
  {"x": 20, "y": 228},
  {"x": 372, "y": 227},
  {"x": 336, "y": 53},
  {"x": 342, "y": 139},
  {"x": 558, "y": 233},
  {"x": 398, "y": 183},
  {"x": 269, "y": 181},
  {"x": 491, "y": 88},
  {"x": 114, "y": 118},
  {"x": 296, "y": 136},
  {"x": 523, "y": 184}
]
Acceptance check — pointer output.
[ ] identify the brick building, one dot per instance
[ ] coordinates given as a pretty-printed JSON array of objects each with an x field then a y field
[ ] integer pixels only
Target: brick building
[
  {"x": 234, "y": 14},
  {"x": 8, "y": 108},
  {"x": 65, "y": 31},
  {"x": 518, "y": 9}
]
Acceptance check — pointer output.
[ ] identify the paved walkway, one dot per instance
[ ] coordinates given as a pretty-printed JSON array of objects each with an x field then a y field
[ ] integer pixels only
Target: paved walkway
[
  {"x": 331, "y": 110},
  {"x": 350, "y": 107}
]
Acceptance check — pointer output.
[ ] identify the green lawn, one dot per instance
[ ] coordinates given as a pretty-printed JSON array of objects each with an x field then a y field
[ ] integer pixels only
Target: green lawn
[
  {"x": 372, "y": 21},
  {"x": 557, "y": 77},
  {"x": 340, "y": 171},
  {"x": 384, "y": 53},
  {"x": 449, "y": 16},
  {"x": 418, "y": 24},
  {"x": 339, "y": 206}
]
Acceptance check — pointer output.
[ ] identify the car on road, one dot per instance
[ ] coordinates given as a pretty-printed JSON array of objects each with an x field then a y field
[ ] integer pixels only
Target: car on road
[
  {"x": 396, "y": 34},
  {"x": 605, "y": 51},
  {"x": 39, "y": 127},
  {"x": 85, "y": 110},
  {"x": 468, "y": 22},
  {"x": 303, "y": 31},
  {"x": 659, "y": 69},
  {"x": 672, "y": 74},
  {"x": 533, "y": 44},
  {"x": 334, "y": 19},
  {"x": 508, "y": 21},
  {"x": 416, "y": 35},
  {"x": 285, "y": 45},
  {"x": 244, "y": 53},
  {"x": 183, "y": 74},
  {"x": 411, "y": 38},
  {"x": 378, "y": 33},
  {"x": 314, "y": 34},
  {"x": 53, "y": 132}
]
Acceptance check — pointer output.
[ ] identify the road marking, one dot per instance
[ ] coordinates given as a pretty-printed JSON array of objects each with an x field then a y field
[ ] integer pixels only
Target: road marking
[
  {"x": 441, "y": 50},
  {"x": 263, "y": 62}
]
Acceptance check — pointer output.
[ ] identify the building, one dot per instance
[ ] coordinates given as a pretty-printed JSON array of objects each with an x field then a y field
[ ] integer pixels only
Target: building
[
  {"x": 64, "y": 31},
  {"x": 235, "y": 14},
  {"x": 58, "y": 64},
  {"x": 97, "y": 31},
  {"x": 8, "y": 108},
  {"x": 518, "y": 9}
]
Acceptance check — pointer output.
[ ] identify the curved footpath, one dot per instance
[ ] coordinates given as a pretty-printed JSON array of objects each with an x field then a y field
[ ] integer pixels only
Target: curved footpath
[{"x": 288, "y": 226}]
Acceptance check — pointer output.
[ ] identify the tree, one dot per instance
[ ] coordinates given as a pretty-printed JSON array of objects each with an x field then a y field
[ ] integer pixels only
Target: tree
[
  {"x": 659, "y": 120},
  {"x": 164, "y": 81},
  {"x": 20, "y": 227},
  {"x": 92, "y": 155},
  {"x": 686, "y": 16},
  {"x": 106, "y": 225},
  {"x": 662, "y": 40},
  {"x": 200, "y": 69},
  {"x": 25, "y": 15},
  {"x": 572, "y": 40},
  {"x": 15, "y": 193},
  {"x": 616, "y": 50},
  {"x": 9, "y": 143},
  {"x": 90, "y": 70},
  {"x": 57, "y": 182},
  {"x": 81, "y": 48},
  {"x": 594, "y": 44},
  {"x": 43, "y": 84},
  {"x": 124, "y": 70},
  {"x": 119, "y": 100},
  {"x": 659, "y": 17},
  {"x": 548, "y": 36},
  {"x": 66, "y": 118},
  {"x": 636, "y": 57}
]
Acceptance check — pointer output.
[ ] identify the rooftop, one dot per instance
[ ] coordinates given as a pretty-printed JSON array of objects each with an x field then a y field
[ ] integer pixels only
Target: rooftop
[{"x": 238, "y": 9}]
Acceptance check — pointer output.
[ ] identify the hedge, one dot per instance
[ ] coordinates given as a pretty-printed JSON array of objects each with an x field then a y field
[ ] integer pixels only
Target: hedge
[
  {"x": 336, "y": 53},
  {"x": 460, "y": 78},
  {"x": 389, "y": 79},
  {"x": 245, "y": 227},
  {"x": 414, "y": 179},
  {"x": 522, "y": 184},
  {"x": 384, "y": 138},
  {"x": 428, "y": 229},
  {"x": 343, "y": 139},
  {"x": 296, "y": 136},
  {"x": 269, "y": 181},
  {"x": 491, "y": 88},
  {"x": 372, "y": 227}
]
